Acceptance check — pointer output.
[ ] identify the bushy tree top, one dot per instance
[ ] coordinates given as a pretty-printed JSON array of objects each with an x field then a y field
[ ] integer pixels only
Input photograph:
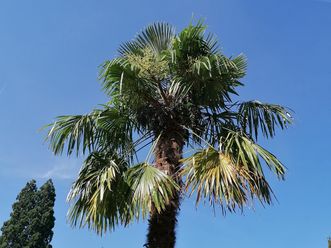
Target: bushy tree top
[{"x": 32, "y": 218}]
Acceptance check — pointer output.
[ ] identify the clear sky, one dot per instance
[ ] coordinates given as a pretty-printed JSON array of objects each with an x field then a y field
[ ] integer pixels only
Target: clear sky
[{"x": 50, "y": 51}]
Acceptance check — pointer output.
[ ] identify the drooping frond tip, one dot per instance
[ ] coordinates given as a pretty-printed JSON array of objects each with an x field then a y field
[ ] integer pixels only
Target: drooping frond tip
[
  {"x": 108, "y": 193},
  {"x": 231, "y": 176},
  {"x": 254, "y": 116}
]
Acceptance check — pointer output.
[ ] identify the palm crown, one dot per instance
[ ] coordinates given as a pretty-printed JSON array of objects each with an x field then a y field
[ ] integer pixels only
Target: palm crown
[{"x": 172, "y": 92}]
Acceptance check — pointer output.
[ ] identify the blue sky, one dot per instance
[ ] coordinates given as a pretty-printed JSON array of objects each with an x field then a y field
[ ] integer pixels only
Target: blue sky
[{"x": 49, "y": 57}]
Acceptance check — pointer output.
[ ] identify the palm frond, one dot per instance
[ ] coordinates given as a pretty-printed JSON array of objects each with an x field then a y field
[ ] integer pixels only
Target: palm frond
[
  {"x": 125, "y": 81},
  {"x": 100, "y": 195},
  {"x": 239, "y": 64},
  {"x": 100, "y": 129},
  {"x": 178, "y": 90},
  {"x": 73, "y": 130},
  {"x": 211, "y": 175},
  {"x": 150, "y": 187},
  {"x": 247, "y": 153},
  {"x": 215, "y": 122},
  {"x": 231, "y": 176},
  {"x": 215, "y": 78},
  {"x": 157, "y": 36},
  {"x": 254, "y": 116},
  {"x": 190, "y": 42}
]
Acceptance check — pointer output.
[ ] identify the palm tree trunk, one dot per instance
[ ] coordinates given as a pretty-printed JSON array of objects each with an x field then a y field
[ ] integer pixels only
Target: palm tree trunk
[{"x": 162, "y": 226}]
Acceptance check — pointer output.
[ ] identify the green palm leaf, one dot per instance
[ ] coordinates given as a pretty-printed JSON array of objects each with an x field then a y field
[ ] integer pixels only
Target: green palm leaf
[
  {"x": 101, "y": 129},
  {"x": 254, "y": 116},
  {"x": 122, "y": 82},
  {"x": 150, "y": 187},
  {"x": 158, "y": 36},
  {"x": 75, "y": 130},
  {"x": 100, "y": 196}
]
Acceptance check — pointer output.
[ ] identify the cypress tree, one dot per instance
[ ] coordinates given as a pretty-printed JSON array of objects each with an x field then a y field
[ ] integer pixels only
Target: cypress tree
[
  {"x": 32, "y": 218},
  {"x": 46, "y": 196}
]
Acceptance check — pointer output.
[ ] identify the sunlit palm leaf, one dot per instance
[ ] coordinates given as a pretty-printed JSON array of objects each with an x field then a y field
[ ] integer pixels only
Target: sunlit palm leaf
[
  {"x": 247, "y": 154},
  {"x": 150, "y": 187},
  {"x": 211, "y": 75},
  {"x": 233, "y": 175},
  {"x": 213, "y": 176},
  {"x": 215, "y": 78},
  {"x": 100, "y": 195},
  {"x": 121, "y": 81},
  {"x": 134, "y": 80},
  {"x": 75, "y": 131},
  {"x": 107, "y": 128},
  {"x": 157, "y": 36}
]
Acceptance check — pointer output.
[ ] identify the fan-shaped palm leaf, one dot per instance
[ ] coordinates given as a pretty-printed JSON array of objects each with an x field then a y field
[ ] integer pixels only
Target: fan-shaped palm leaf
[
  {"x": 101, "y": 129},
  {"x": 101, "y": 197},
  {"x": 233, "y": 174},
  {"x": 151, "y": 188},
  {"x": 158, "y": 36},
  {"x": 254, "y": 115}
]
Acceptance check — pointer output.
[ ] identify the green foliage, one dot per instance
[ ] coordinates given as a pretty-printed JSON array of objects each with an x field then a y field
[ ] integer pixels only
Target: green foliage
[
  {"x": 254, "y": 116},
  {"x": 151, "y": 187},
  {"x": 231, "y": 175},
  {"x": 100, "y": 181},
  {"x": 162, "y": 83},
  {"x": 106, "y": 179},
  {"x": 32, "y": 219}
]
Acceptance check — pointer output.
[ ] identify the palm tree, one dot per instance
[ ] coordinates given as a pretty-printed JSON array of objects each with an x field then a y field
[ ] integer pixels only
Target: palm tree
[{"x": 173, "y": 93}]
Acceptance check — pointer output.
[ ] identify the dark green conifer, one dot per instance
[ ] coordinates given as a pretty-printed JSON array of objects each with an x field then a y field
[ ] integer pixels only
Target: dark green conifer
[
  {"x": 46, "y": 204},
  {"x": 32, "y": 218}
]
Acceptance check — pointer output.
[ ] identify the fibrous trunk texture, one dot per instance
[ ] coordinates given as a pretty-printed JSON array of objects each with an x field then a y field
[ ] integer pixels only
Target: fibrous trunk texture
[{"x": 162, "y": 226}]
